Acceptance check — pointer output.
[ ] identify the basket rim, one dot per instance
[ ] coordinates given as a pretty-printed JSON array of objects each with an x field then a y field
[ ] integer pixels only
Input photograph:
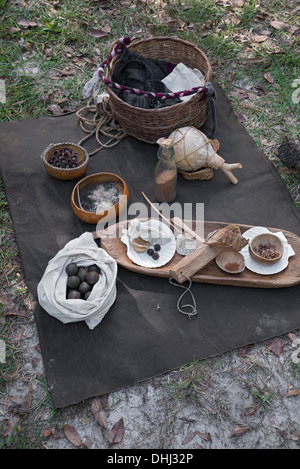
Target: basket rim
[
  {"x": 163, "y": 109},
  {"x": 159, "y": 109}
]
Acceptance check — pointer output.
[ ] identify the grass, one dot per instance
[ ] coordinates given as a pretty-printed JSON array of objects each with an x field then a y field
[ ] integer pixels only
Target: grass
[
  {"x": 263, "y": 396},
  {"x": 33, "y": 57}
]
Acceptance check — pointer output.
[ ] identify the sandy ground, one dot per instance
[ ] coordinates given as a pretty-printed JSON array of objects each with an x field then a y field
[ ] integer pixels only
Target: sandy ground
[{"x": 244, "y": 399}]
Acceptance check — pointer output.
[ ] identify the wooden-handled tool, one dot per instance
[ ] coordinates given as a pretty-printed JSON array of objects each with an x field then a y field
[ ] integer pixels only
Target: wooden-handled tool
[
  {"x": 228, "y": 237},
  {"x": 193, "y": 262}
]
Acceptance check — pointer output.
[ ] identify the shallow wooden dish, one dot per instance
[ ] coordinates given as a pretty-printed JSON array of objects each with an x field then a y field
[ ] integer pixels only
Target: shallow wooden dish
[
  {"x": 265, "y": 238},
  {"x": 66, "y": 173},
  {"x": 211, "y": 273},
  {"x": 91, "y": 181},
  {"x": 231, "y": 262}
]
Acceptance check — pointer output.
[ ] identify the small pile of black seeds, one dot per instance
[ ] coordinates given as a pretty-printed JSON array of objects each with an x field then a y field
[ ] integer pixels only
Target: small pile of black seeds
[
  {"x": 64, "y": 157},
  {"x": 152, "y": 252},
  {"x": 81, "y": 280}
]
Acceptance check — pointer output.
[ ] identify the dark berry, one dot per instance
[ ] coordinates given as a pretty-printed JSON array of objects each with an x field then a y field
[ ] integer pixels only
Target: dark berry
[
  {"x": 157, "y": 247},
  {"x": 72, "y": 269},
  {"x": 150, "y": 251},
  {"x": 155, "y": 256},
  {"x": 73, "y": 281},
  {"x": 92, "y": 277}
]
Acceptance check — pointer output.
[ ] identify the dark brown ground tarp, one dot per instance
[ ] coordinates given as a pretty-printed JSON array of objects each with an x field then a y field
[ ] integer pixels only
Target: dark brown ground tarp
[{"x": 143, "y": 334}]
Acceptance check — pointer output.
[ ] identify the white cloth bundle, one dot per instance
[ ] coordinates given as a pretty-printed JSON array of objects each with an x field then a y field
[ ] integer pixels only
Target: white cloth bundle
[
  {"x": 183, "y": 78},
  {"x": 52, "y": 287}
]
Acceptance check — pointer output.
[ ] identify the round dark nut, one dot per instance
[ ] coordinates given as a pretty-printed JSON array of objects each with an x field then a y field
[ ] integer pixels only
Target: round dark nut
[
  {"x": 72, "y": 269},
  {"x": 157, "y": 247},
  {"x": 155, "y": 256},
  {"x": 92, "y": 277},
  {"x": 94, "y": 268},
  {"x": 87, "y": 294},
  {"x": 73, "y": 281},
  {"x": 74, "y": 295},
  {"x": 84, "y": 287},
  {"x": 82, "y": 272},
  {"x": 150, "y": 252}
]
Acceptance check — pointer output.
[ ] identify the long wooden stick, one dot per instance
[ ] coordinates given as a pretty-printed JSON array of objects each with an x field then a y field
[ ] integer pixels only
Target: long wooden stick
[
  {"x": 176, "y": 222},
  {"x": 157, "y": 211}
]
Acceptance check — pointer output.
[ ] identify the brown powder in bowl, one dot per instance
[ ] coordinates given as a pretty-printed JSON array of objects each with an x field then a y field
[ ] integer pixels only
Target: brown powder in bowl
[{"x": 232, "y": 266}]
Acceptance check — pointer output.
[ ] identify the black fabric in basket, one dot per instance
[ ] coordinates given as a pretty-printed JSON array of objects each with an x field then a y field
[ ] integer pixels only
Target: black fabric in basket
[
  {"x": 143, "y": 334},
  {"x": 136, "y": 71}
]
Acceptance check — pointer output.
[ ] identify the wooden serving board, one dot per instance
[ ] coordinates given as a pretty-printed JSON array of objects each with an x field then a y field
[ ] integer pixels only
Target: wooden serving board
[{"x": 211, "y": 273}]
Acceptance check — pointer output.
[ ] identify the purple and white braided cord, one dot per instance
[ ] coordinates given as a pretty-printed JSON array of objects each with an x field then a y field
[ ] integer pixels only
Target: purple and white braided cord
[{"x": 117, "y": 49}]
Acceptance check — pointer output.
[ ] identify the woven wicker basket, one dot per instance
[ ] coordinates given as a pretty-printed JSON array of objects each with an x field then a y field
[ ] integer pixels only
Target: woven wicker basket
[{"x": 151, "y": 124}]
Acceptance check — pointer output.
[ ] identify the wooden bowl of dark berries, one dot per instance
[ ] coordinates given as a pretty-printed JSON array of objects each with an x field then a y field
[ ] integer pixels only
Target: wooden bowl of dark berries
[
  {"x": 81, "y": 280},
  {"x": 266, "y": 248},
  {"x": 65, "y": 161}
]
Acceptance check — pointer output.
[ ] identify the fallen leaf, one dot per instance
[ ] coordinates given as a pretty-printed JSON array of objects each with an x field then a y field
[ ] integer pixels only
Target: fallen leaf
[
  {"x": 65, "y": 72},
  {"x": 259, "y": 38},
  {"x": 292, "y": 392},
  {"x": 98, "y": 413},
  {"x": 115, "y": 435},
  {"x": 38, "y": 348},
  {"x": 29, "y": 396},
  {"x": 280, "y": 25},
  {"x": 188, "y": 438},
  {"x": 118, "y": 430},
  {"x": 104, "y": 400},
  {"x": 252, "y": 411},
  {"x": 100, "y": 32},
  {"x": 257, "y": 90},
  {"x": 19, "y": 335},
  {"x": 48, "y": 431},
  {"x": 87, "y": 443},
  {"x": 240, "y": 94},
  {"x": 204, "y": 436},
  {"x": 296, "y": 32},
  {"x": 276, "y": 346},
  {"x": 57, "y": 110},
  {"x": 13, "y": 30},
  {"x": 240, "y": 117},
  {"x": 292, "y": 336},
  {"x": 244, "y": 350},
  {"x": 238, "y": 431},
  {"x": 27, "y": 23},
  {"x": 72, "y": 435},
  {"x": 269, "y": 77}
]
